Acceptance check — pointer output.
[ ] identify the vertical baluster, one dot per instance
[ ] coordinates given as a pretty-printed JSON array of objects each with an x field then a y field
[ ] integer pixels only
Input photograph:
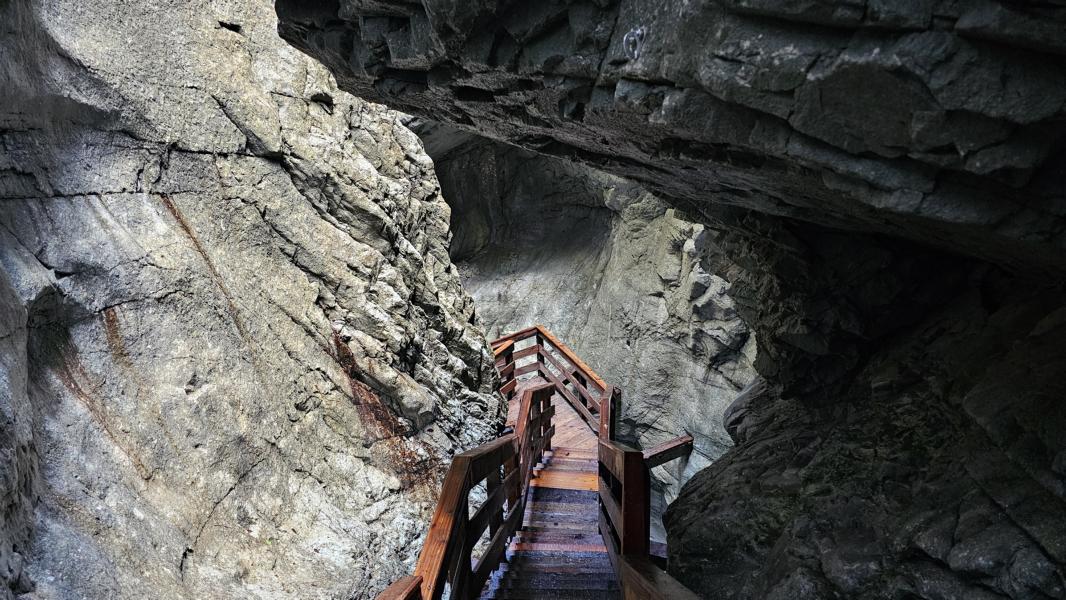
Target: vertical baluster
[
  {"x": 492, "y": 483},
  {"x": 510, "y": 466},
  {"x": 461, "y": 578},
  {"x": 610, "y": 402}
]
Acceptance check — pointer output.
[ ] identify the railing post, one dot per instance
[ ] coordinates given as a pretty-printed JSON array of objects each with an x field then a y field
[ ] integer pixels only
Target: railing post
[
  {"x": 611, "y": 399},
  {"x": 636, "y": 509},
  {"x": 546, "y": 424},
  {"x": 461, "y": 577},
  {"x": 510, "y": 466}
]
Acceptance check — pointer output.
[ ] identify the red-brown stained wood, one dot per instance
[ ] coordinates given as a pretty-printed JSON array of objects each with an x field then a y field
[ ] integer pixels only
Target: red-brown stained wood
[
  {"x": 643, "y": 580},
  {"x": 433, "y": 561},
  {"x": 573, "y": 358},
  {"x": 502, "y": 348},
  {"x": 508, "y": 387},
  {"x": 406, "y": 588},
  {"x": 526, "y": 352},
  {"x": 567, "y": 375},
  {"x": 636, "y": 504},
  {"x": 611, "y": 398},
  {"x": 668, "y": 451},
  {"x": 520, "y": 334}
]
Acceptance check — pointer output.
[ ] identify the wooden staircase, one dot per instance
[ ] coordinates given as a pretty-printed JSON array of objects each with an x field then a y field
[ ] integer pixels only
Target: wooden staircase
[
  {"x": 566, "y": 508},
  {"x": 558, "y": 551}
]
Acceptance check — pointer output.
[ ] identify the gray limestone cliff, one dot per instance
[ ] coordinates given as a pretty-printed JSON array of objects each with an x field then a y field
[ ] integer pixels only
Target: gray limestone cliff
[{"x": 234, "y": 352}]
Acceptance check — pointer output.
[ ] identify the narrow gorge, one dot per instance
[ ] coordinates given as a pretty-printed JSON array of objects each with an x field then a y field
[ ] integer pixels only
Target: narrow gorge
[{"x": 262, "y": 262}]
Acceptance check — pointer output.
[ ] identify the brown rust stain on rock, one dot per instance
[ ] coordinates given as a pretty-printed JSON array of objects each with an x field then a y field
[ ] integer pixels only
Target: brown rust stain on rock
[
  {"x": 115, "y": 342},
  {"x": 71, "y": 374},
  {"x": 415, "y": 468},
  {"x": 216, "y": 277}
]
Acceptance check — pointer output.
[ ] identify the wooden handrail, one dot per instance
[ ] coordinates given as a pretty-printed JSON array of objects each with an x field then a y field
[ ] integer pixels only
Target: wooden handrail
[
  {"x": 504, "y": 347},
  {"x": 643, "y": 579},
  {"x": 407, "y": 588},
  {"x": 506, "y": 466},
  {"x": 668, "y": 451},
  {"x": 625, "y": 509}
]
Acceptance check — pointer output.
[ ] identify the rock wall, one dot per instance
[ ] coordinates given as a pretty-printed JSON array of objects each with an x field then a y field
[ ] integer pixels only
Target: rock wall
[
  {"x": 236, "y": 354},
  {"x": 907, "y": 445},
  {"x": 617, "y": 274},
  {"x": 18, "y": 460},
  {"x": 882, "y": 183},
  {"x": 933, "y": 119}
]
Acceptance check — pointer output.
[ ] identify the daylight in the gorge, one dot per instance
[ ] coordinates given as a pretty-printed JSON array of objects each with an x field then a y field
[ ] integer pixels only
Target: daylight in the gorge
[{"x": 524, "y": 299}]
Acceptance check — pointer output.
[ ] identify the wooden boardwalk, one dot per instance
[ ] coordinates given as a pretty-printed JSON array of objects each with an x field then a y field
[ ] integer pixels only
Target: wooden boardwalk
[
  {"x": 558, "y": 551},
  {"x": 565, "y": 508}
]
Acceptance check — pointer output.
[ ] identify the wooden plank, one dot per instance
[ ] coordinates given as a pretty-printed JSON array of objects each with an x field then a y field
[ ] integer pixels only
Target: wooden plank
[
  {"x": 488, "y": 456},
  {"x": 490, "y": 509},
  {"x": 611, "y": 508},
  {"x": 556, "y": 547},
  {"x": 564, "y": 480},
  {"x": 573, "y": 358},
  {"x": 497, "y": 351},
  {"x": 642, "y": 579},
  {"x": 574, "y": 402},
  {"x": 612, "y": 398},
  {"x": 525, "y": 352},
  {"x": 565, "y": 374},
  {"x": 530, "y": 368},
  {"x": 508, "y": 387},
  {"x": 612, "y": 456},
  {"x": 665, "y": 452},
  {"x": 636, "y": 505},
  {"x": 491, "y": 558},
  {"x": 607, "y": 534},
  {"x": 406, "y": 588},
  {"x": 461, "y": 569},
  {"x": 516, "y": 336},
  {"x": 432, "y": 562}
]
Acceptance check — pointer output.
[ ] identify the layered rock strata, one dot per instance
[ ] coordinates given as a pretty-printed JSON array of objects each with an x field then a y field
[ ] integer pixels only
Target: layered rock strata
[{"x": 236, "y": 354}]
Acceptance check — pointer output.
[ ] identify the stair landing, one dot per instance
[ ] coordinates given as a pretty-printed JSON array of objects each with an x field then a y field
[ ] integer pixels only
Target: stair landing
[{"x": 558, "y": 552}]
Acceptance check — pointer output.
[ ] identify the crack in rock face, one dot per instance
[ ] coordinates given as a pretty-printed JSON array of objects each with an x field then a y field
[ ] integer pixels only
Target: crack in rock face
[{"x": 235, "y": 356}]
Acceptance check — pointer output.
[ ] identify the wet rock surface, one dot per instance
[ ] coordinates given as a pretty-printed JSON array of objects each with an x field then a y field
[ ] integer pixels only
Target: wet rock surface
[
  {"x": 234, "y": 352},
  {"x": 932, "y": 473},
  {"x": 628, "y": 282}
]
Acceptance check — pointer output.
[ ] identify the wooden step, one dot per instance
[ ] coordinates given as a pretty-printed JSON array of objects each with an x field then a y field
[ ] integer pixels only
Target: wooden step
[
  {"x": 547, "y": 581},
  {"x": 566, "y": 480},
  {"x": 541, "y": 594}
]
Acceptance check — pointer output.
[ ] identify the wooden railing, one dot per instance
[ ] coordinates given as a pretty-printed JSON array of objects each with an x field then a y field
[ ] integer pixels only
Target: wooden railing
[
  {"x": 506, "y": 465},
  {"x": 625, "y": 516},
  {"x": 625, "y": 473},
  {"x": 536, "y": 350}
]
